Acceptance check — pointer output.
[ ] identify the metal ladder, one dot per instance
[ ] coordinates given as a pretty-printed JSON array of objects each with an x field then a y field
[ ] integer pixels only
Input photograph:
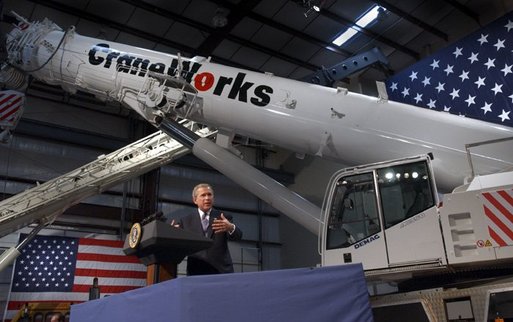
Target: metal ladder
[{"x": 44, "y": 202}]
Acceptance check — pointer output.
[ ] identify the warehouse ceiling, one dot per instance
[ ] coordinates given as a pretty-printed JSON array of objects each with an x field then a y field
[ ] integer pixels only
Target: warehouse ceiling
[{"x": 286, "y": 38}]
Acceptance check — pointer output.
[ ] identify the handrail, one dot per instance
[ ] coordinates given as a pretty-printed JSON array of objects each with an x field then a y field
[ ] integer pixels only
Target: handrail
[{"x": 472, "y": 145}]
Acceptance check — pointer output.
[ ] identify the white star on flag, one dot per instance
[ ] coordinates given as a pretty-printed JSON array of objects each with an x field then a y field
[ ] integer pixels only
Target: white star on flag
[
  {"x": 455, "y": 93},
  {"x": 473, "y": 58},
  {"x": 504, "y": 115},
  {"x": 490, "y": 63},
  {"x": 448, "y": 70},
  {"x": 497, "y": 88},
  {"x": 463, "y": 76},
  {"x": 458, "y": 52},
  {"x": 431, "y": 103},
  {"x": 483, "y": 39},
  {"x": 509, "y": 25},
  {"x": 499, "y": 44},
  {"x": 507, "y": 69},
  {"x": 470, "y": 100},
  {"x": 480, "y": 82},
  {"x": 486, "y": 108}
]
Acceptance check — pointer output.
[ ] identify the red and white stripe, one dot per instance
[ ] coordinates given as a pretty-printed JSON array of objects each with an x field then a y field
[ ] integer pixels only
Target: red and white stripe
[
  {"x": 498, "y": 208},
  {"x": 11, "y": 103}
]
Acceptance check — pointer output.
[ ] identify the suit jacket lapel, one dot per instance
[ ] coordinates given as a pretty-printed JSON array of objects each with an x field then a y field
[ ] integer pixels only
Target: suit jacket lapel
[{"x": 196, "y": 223}]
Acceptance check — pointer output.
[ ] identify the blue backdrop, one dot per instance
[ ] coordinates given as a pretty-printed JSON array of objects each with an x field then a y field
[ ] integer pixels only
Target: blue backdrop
[{"x": 331, "y": 294}]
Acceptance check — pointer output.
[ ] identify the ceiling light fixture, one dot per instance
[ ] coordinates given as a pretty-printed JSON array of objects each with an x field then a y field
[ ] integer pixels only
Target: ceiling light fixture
[
  {"x": 370, "y": 16},
  {"x": 220, "y": 19},
  {"x": 312, "y": 5}
]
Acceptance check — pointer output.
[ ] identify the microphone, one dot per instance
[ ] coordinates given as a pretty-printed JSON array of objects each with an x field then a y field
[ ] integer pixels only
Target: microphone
[{"x": 159, "y": 215}]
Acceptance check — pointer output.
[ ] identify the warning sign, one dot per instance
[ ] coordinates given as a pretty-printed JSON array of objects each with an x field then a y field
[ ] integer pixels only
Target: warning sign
[{"x": 488, "y": 243}]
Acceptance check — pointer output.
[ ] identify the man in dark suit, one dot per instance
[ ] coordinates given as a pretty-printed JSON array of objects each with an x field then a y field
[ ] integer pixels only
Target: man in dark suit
[{"x": 213, "y": 224}]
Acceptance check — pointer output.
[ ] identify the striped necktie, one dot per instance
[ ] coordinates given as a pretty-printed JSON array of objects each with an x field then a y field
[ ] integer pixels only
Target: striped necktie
[{"x": 204, "y": 222}]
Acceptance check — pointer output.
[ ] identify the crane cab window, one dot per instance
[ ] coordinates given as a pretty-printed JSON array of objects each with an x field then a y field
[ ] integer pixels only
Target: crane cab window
[
  {"x": 405, "y": 190},
  {"x": 353, "y": 214}
]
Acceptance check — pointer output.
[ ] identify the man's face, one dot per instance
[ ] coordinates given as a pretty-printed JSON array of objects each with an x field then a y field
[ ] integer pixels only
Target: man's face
[{"x": 204, "y": 199}]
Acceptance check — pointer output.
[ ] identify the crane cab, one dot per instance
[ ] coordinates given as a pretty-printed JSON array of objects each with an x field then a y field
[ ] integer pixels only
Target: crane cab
[{"x": 385, "y": 216}]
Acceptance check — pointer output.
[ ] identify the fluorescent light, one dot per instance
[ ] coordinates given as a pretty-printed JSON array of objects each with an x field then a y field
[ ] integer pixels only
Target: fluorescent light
[
  {"x": 369, "y": 17},
  {"x": 345, "y": 36},
  {"x": 365, "y": 20}
]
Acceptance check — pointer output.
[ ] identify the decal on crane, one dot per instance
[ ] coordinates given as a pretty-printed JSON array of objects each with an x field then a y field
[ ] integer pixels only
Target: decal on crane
[
  {"x": 366, "y": 241},
  {"x": 126, "y": 63},
  {"x": 498, "y": 208},
  {"x": 205, "y": 80},
  {"x": 238, "y": 88},
  {"x": 413, "y": 219}
]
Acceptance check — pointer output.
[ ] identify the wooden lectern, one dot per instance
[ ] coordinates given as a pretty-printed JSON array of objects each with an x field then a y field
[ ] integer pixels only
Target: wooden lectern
[{"x": 161, "y": 247}]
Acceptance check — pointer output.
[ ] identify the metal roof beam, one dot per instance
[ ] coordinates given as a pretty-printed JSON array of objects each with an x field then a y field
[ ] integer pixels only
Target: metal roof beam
[
  {"x": 390, "y": 7},
  {"x": 464, "y": 9}
]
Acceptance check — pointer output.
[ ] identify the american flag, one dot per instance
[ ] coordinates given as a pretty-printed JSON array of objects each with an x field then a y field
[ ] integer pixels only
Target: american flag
[
  {"x": 62, "y": 269},
  {"x": 472, "y": 77}
]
